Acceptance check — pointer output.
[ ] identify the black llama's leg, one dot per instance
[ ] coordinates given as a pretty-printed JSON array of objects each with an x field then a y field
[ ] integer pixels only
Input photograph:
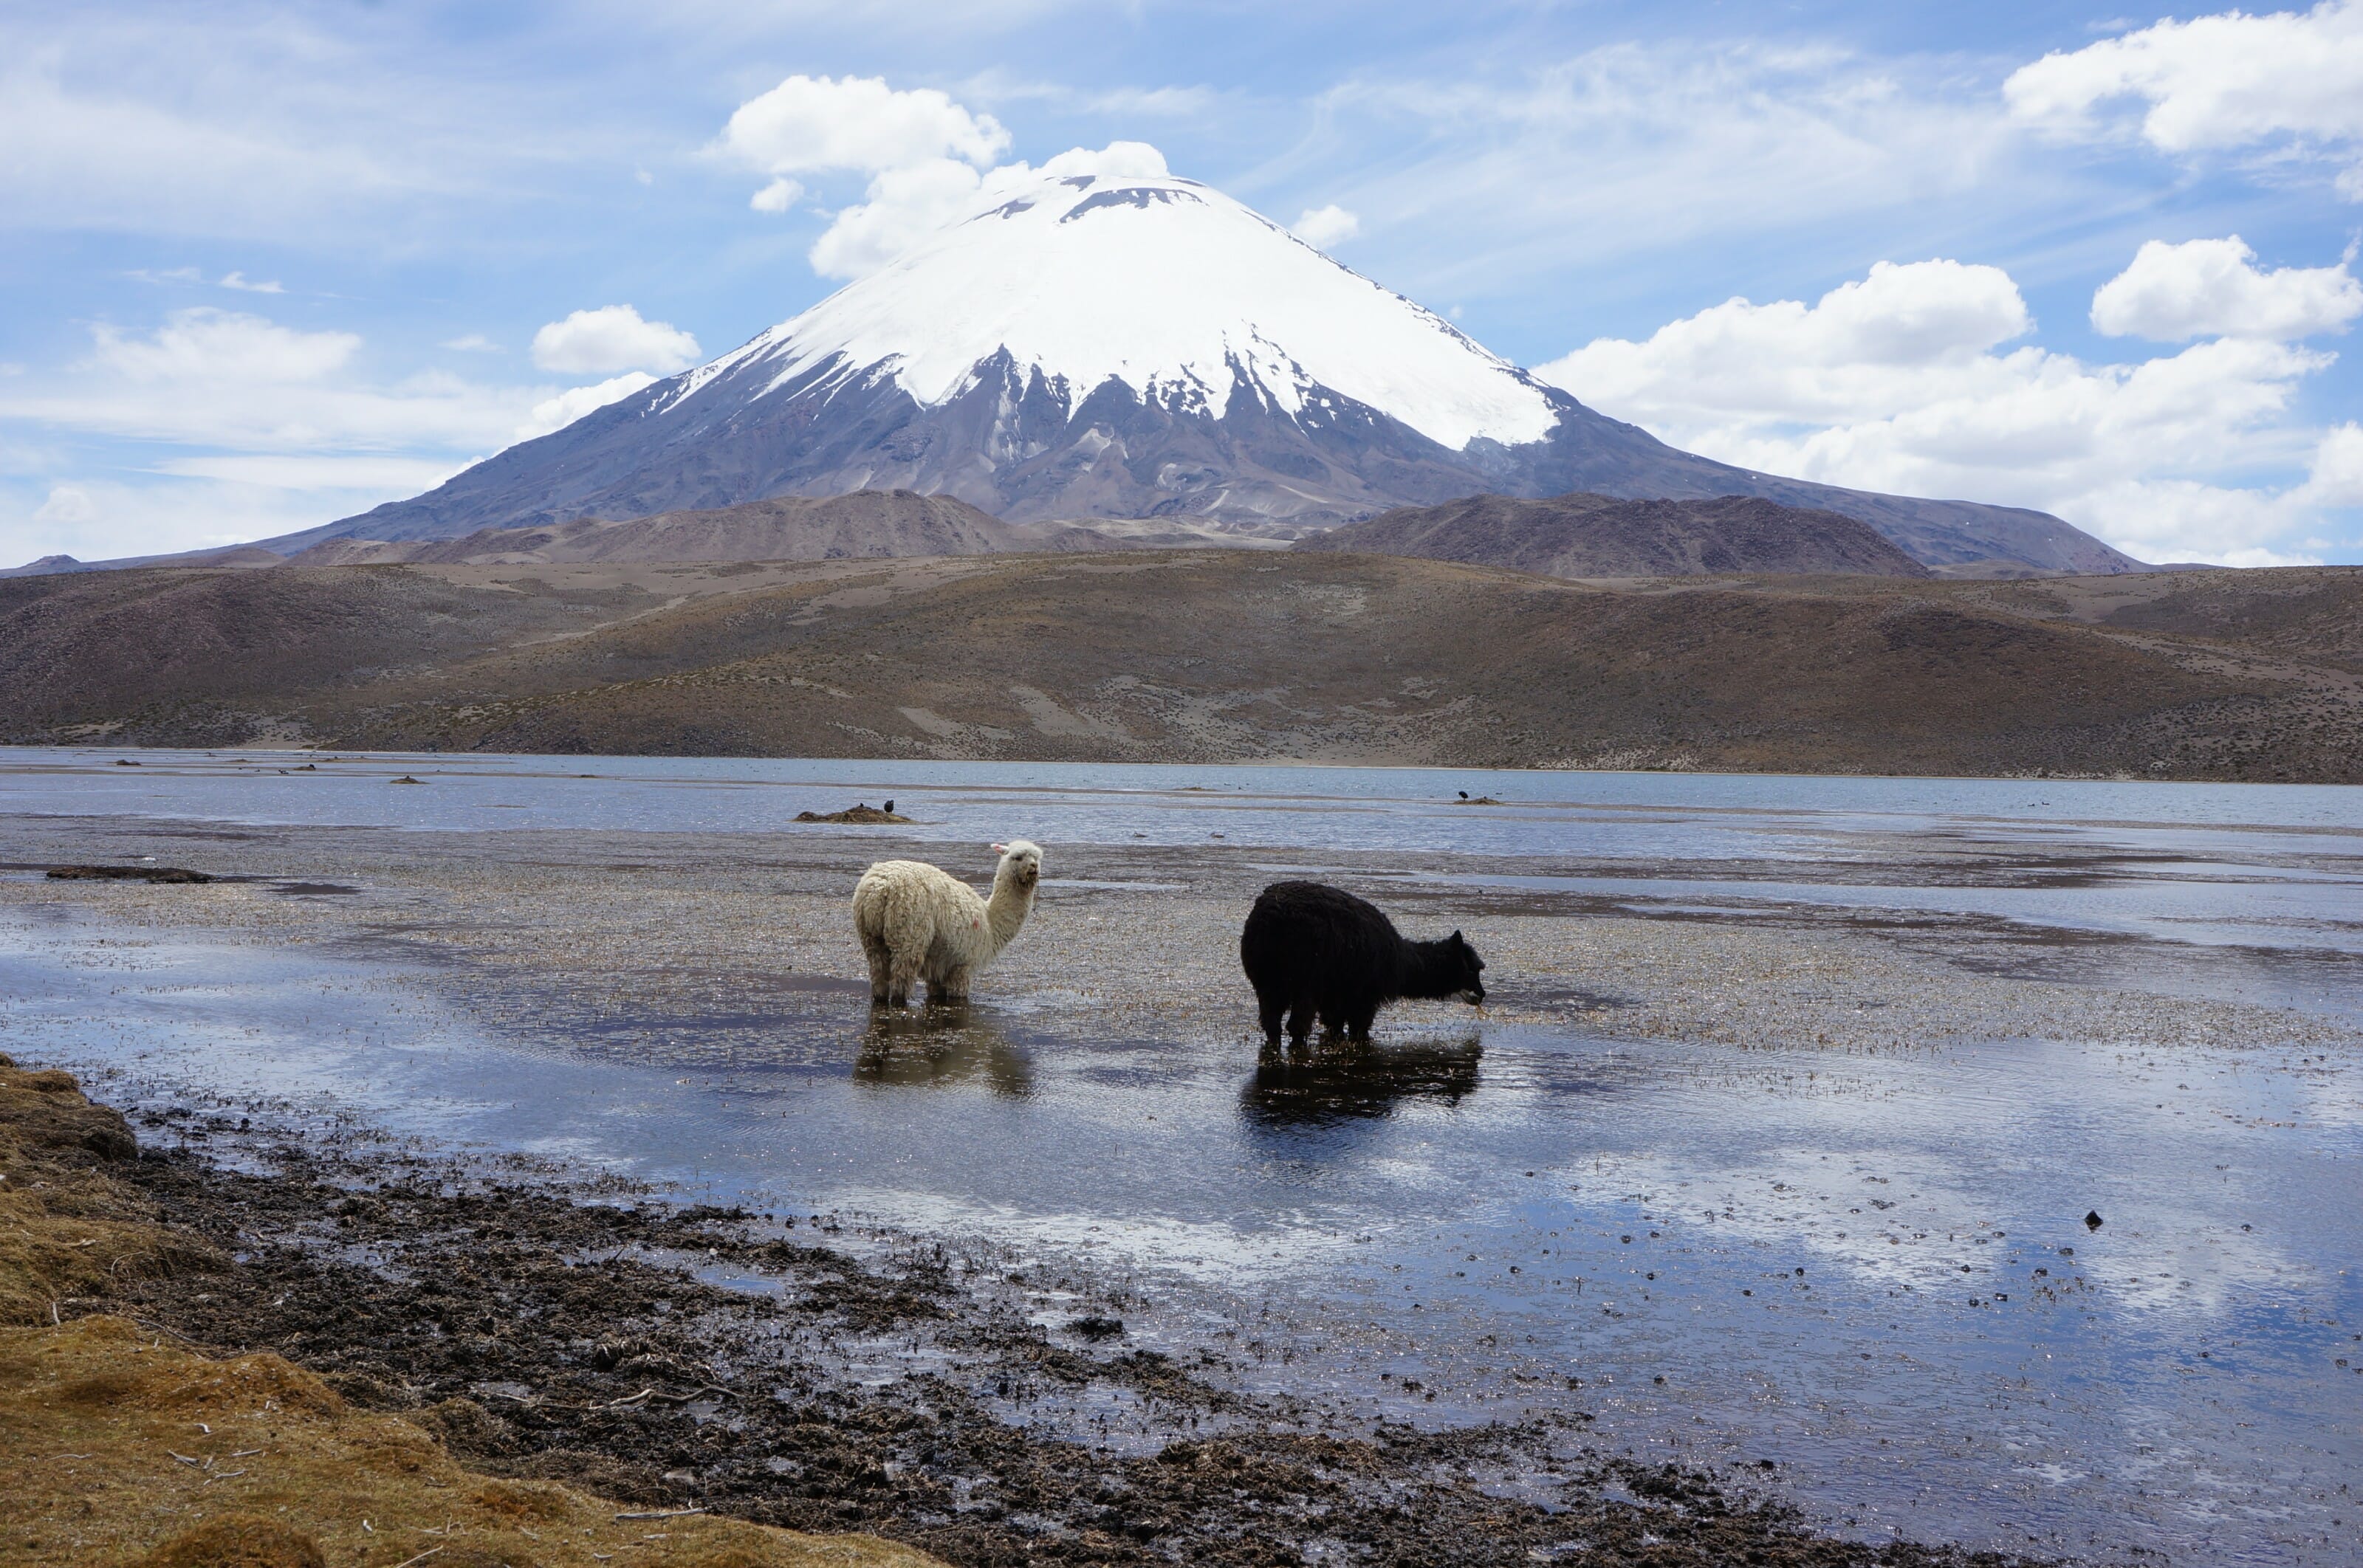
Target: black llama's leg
[
  {"x": 1269, "y": 1008},
  {"x": 1357, "y": 1027},
  {"x": 1300, "y": 1024}
]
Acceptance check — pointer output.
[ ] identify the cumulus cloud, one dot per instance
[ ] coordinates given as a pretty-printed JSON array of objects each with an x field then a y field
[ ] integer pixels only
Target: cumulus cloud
[
  {"x": 810, "y": 125},
  {"x": 224, "y": 378},
  {"x": 2336, "y": 475},
  {"x": 265, "y": 429},
  {"x": 67, "y": 503},
  {"x": 2221, "y": 83},
  {"x": 1905, "y": 381},
  {"x": 1322, "y": 227},
  {"x": 776, "y": 197},
  {"x": 2206, "y": 288},
  {"x": 223, "y": 346},
  {"x": 928, "y": 162},
  {"x": 611, "y": 337},
  {"x": 556, "y": 412},
  {"x": 904, "y": 205}
]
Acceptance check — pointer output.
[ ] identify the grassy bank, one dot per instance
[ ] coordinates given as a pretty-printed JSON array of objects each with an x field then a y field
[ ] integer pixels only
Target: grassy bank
[{"x": 123, "y": 1443}]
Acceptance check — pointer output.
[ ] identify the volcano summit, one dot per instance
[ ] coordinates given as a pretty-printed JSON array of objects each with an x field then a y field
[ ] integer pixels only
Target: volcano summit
[{"x": 1134, "y": 345}]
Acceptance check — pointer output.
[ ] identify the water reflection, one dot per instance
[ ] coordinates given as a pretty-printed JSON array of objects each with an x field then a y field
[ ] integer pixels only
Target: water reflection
[
  {"x": 1339, "y": 1082},
  {"x": 949, "y": 1044}
]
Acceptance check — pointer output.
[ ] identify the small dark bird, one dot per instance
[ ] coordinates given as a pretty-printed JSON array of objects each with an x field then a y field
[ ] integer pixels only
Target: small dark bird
[
  {"x": 2092, "y": 1220},
  {"x": 1464, "y": 794},
  {"x": 889, "y": 808}
]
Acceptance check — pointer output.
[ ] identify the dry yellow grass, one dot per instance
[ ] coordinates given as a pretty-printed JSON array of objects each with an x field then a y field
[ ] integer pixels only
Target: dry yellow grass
[{"x": 122, "y": 1447}]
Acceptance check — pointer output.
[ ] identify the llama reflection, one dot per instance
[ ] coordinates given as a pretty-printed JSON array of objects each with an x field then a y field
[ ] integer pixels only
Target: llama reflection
[
  {"x": 937, "y": 1045},
  {"x": 1344, "y": 1082}
]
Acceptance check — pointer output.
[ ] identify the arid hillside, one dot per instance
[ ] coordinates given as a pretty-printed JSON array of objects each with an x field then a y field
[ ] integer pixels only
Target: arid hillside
[
  {"x": 1601, "y": 536},
  {"x": 1202, "y": 656}
]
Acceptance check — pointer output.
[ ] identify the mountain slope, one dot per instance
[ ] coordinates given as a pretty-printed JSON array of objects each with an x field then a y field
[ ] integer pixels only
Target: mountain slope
[
  {"x": 1132, "y": 346},
  {"x": 1599, "y": 535},
  {"x": 864, "y": 524}
]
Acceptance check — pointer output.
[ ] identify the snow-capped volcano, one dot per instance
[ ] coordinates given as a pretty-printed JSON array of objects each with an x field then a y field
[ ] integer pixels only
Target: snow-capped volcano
[
  {"x": 1168, "y": 286},
  {"x": 1112, "y": 345}
]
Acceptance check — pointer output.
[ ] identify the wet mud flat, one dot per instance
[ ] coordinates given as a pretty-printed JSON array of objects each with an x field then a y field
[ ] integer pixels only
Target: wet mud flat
[{"x": 562, "y": 1330}]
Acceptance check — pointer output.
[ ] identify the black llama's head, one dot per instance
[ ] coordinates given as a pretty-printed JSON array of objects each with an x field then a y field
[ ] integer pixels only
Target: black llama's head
[{"x": 1464, "y": 969}]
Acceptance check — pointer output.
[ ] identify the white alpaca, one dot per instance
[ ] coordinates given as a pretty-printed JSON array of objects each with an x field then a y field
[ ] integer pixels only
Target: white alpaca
[{"x": 920, "y": 924}]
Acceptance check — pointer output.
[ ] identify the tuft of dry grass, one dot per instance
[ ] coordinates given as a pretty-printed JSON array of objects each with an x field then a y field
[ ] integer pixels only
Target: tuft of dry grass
[{"x": 126, "y": 1450}]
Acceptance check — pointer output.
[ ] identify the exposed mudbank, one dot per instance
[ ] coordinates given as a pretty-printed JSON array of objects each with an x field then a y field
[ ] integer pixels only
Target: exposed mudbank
[{"x": 695, "y": 1357}]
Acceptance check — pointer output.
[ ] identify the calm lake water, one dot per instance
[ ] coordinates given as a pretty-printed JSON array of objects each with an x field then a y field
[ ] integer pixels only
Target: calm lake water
[{"x": 1871, "y": 1268}]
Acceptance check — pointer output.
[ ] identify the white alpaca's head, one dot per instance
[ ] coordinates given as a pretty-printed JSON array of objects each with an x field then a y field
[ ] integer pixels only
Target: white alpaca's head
[{"x": 1021, "y": 863}]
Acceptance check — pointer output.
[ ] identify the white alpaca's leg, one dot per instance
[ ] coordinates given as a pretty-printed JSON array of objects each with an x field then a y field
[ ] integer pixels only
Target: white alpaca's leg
[
  {"x": 902, "y": 971},
  {"x": 882, "y": 965},
  {"x": 908, "y": 931},
  {"x": 952, "y": 987}
]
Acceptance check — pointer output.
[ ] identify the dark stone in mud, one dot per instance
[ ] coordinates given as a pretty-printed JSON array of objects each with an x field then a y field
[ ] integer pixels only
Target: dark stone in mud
[
  {"x": 1097, "y": 1328},
  {"x": 2092, "y": 1221},
  {"x": 127, "y": 874}
]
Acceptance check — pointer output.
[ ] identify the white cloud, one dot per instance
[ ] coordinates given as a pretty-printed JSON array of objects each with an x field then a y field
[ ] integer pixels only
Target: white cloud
[
  {"x": 239, "y": 280},
  {"x": 1904, "y": 381},
  {"x": 221, "y": 379},
  {"x": 1322, "y": 227},
  {"x": 472, "y": 343},
  {"x": 929, "y": 162},
  {"x": 777, "y": 197},
  {"x": 406, "y": 476},
  {"x": 67, "y": 503},
  {"x": 2205, "y": 288},
  {"x": 906, "y": 205},
  {"x": 2221, "y": 83},
  {"x": 556, "y": 413},
  {"x": 2336, "y": 475},
  {"x": 811, "y": 125},
  {"x": 268, "y": 429},
  {"x": 1693, "y": 145},
  {"x": 223, "y": 346},
  {"x": 161, "y": 515},
  {"x": 613, "y": 338}
]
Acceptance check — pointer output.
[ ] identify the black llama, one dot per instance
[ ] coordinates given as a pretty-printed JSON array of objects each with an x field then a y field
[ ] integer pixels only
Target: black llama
[{"x": 1314, "y": 950}]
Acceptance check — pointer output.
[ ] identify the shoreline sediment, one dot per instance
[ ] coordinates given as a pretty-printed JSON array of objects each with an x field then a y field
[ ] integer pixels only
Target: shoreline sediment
[{"x": 543, "y": 1333}]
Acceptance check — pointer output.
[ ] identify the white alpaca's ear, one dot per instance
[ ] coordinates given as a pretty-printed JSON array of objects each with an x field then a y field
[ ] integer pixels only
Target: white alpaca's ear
[{"x": 1001, "y": 849}]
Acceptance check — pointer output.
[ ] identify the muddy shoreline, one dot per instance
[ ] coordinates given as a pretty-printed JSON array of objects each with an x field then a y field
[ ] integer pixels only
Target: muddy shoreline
[{"x": 559, "y": 1329}]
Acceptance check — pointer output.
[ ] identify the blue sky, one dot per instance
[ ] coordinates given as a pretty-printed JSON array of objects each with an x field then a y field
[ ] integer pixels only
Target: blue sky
[{"x": 270, "y": 264}]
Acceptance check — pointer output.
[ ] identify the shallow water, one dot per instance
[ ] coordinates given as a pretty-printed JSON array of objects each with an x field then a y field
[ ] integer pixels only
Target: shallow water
[{"x": 1871, "y": 1269}]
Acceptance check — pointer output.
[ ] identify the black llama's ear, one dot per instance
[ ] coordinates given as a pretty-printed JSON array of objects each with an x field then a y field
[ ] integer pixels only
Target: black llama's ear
[{"x": 1460, "y": 939}]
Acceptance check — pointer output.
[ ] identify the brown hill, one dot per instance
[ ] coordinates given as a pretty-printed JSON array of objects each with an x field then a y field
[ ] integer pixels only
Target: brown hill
[
  {"x": 1209, "y": 655},
  {"x": 1582, "y": 535},
  {"x": 864, "y": 524}
]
